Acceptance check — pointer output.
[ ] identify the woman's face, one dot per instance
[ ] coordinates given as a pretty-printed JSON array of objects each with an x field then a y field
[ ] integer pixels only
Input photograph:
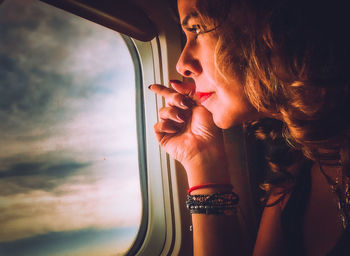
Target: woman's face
[{"x": 224, "y": 98}]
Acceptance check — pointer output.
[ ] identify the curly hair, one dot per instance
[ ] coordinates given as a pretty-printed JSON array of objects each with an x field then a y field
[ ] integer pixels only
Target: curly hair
[{"x": 293, "y": 60}]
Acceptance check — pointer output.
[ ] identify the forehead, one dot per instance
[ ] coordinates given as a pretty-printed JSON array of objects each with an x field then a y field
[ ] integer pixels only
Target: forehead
[{"x": 187, "y": 10}]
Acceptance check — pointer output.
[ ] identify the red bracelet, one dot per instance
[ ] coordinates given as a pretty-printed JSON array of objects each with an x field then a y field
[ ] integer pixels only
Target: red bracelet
[{"x": 208, "y": 185}]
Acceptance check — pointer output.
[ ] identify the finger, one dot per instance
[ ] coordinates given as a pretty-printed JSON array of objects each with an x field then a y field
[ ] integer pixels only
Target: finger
[
  {"x": 158, "y": 131},
  {"x": 161, "y": 90},
  {"x": 172, "y": 97},
  {"x": 172, "y": 113},
  {"x": 165, "y": 126},
  {"x": 186, "y": 88},
  {"x": 179, "y": 100}
]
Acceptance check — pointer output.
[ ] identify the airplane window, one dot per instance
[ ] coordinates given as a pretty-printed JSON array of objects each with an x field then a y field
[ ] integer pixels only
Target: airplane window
[{"x": 69, "y": 173}]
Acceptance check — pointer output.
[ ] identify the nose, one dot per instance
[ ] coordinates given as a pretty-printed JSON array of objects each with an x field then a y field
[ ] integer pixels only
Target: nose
[{"x": 188, "y": 64}]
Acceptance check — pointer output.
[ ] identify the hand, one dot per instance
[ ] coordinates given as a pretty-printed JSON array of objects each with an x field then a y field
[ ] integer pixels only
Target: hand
[{"x": 187, "y": 131}]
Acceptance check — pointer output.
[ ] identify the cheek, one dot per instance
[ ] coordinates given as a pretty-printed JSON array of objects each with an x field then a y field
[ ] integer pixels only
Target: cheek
[
  {"x": 232, "y": 109},
  {"x": 232, "y": 96},
  {"x": 223, "y": 112},
  {"x": 210, "y": 76}
]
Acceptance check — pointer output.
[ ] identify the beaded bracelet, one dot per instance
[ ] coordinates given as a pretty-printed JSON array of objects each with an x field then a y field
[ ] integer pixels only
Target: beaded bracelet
[{"x": 218, "y": 203}]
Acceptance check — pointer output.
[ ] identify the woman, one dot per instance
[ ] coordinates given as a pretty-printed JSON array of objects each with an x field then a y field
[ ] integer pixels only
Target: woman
[{"x": 250, "y": 60}]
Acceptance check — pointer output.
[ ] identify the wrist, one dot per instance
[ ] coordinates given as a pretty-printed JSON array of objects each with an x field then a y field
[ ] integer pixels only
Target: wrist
[
  {"x": 209, "y": 191},
  {"x": 210, "y": 188},
  {"x": 208, "y": 167}
]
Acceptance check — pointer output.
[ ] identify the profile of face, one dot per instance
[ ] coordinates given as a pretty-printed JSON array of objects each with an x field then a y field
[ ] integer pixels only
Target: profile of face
[{"x": 223, "y": 97}]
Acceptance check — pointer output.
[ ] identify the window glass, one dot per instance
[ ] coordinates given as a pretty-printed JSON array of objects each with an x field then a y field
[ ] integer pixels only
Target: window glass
[{"x": 69, "y": 173}]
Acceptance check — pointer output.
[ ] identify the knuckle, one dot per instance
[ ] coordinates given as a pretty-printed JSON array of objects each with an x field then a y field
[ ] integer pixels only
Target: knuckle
[
  {"x": 162, "y": 110},
  {"x": 163, "y": 125},
  {"x": 168, "y": 112},
  {"x": 173, "y": 111},
  {"x": 177, "y": 97},
  {"x": 161, "y": 89},
  {"x": 156, "y": 126}
]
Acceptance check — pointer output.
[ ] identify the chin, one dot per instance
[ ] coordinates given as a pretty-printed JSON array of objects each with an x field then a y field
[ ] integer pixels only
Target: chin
[
  {"x": 227, "y": 120},
  {"x": 223, "y": 122}
]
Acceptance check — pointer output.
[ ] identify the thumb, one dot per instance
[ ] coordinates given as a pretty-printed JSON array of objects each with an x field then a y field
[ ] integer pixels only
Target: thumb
[{"x": 186, "y": 88}]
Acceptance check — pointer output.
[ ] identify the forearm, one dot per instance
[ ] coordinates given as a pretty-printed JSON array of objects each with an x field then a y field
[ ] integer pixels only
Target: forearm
[
  {"x": 213, "y": 234},
  {"x": 216, "y": 235}
]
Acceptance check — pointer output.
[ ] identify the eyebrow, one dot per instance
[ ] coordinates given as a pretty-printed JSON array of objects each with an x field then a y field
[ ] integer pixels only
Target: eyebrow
[{"x": 192, "y": 14}]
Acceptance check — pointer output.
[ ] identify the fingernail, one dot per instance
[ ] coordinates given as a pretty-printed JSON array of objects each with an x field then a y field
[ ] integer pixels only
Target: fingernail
[
  {"x": 180, "y": 118},
  {"x": 183, "y": 104},
  {"x": 149, "y": 87},
  {"x": 174, "y": 81}
]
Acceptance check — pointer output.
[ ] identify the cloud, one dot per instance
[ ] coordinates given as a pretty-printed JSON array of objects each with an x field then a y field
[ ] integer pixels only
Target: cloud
[
  {"x": 51, "y": 63},
  {"x": 21, "y": 178},
  {"x": 37, "y": 174},
  {"x": 47, "y": 169},
  {"x": 80, "y": 206},
  {"x": 68, "y": 136},
  {"x": 92, "y": 242}
]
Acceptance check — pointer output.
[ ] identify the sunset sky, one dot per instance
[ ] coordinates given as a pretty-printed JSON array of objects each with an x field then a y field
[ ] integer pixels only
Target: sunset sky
[{"x": 69, "y": 178}]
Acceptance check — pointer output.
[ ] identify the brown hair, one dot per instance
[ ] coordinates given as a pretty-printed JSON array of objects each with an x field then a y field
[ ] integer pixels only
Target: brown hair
[{"x": 293, "y": 58}]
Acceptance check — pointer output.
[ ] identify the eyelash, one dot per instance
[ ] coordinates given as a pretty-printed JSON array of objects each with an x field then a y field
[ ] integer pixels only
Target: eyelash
[{"x": 196, "y": 29}]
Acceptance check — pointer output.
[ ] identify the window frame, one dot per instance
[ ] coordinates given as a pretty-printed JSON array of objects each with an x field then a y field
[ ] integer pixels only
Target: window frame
[
  {"x": 167, "y": 224},
  {"x": 161, "y": 208}
]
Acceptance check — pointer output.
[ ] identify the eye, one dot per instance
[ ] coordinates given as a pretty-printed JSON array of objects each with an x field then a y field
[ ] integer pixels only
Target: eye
[
  {"x": 199, "y": 29},
  {"x": 196, "y": 29}
]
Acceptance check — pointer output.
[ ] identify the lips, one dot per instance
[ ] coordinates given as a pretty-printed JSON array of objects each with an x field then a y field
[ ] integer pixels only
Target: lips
[{"x": 203, "y": 96}]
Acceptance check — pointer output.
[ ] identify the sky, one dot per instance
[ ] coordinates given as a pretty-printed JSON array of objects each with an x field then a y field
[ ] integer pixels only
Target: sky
[{"x": 69, "y": 178}]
